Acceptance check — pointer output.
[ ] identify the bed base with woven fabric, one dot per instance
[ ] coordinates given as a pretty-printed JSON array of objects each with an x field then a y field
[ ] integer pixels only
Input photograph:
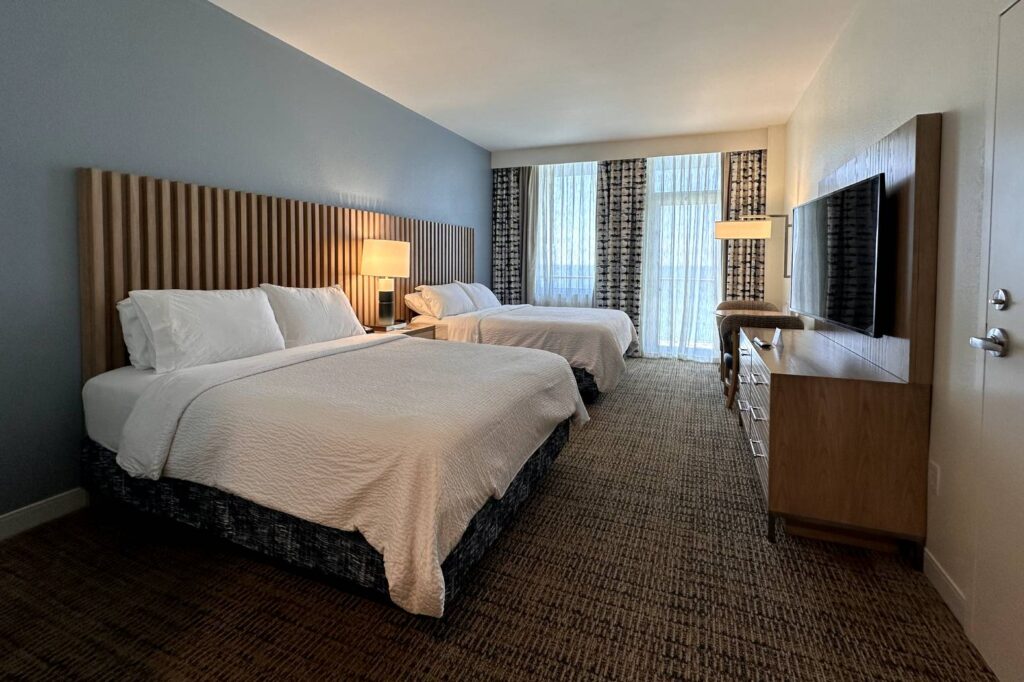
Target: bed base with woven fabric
[
  {"x": 587, "y": 384},
  {"x": 334, "y": 553}
]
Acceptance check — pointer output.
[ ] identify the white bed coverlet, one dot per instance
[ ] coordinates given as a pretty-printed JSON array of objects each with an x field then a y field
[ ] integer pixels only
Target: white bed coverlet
[
  {"x": 401, "y": 439},
  {"x": 592, "y": 338}
]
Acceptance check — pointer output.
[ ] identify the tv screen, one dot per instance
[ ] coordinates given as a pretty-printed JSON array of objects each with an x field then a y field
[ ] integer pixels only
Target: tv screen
[{"x": 838, "y": 256}]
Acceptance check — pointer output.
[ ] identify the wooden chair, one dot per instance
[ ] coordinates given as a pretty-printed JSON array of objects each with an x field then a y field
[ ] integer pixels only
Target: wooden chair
[
  {"x": 730, "y": 339},
  {"x": 742, "y": 304}
]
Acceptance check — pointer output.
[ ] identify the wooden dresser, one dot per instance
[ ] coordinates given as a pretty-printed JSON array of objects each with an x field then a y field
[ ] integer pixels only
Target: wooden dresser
[
  {"x": 838, "y": 421},
  {"x": 839, "y": 444}
]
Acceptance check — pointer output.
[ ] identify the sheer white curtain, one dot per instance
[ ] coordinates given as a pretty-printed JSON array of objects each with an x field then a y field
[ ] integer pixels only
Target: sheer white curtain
[
  {"x": 682, "y": 262},
  {"x": 563, "y": 243}
]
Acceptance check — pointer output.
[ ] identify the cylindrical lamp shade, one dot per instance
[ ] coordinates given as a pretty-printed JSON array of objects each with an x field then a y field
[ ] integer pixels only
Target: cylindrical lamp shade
[
  {"x": 743, "y": 229},
  {"x": 385, "y": 258}
]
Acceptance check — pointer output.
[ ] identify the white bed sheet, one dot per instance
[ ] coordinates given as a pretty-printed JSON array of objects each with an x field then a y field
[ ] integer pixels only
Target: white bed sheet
[
  {"x": 401, "y": 439},
  {"x": 109, "y": 398},
  {"x": 594, "y": 339}
]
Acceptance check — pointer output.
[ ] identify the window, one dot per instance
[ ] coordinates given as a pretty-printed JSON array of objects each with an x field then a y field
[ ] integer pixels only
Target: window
[
  {"x": 563, "y": 254},
  {"x": 682, "y": 262}
]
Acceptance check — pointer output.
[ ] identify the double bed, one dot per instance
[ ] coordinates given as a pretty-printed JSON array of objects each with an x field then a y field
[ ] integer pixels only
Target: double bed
[
  {"x": 594, "y": 341},
  {"x": 265, "y": 415},
  {"x": 397, "y": 439}
]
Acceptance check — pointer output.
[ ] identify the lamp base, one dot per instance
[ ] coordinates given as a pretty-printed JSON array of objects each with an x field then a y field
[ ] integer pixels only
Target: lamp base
[{"x": 385, "y": 302}]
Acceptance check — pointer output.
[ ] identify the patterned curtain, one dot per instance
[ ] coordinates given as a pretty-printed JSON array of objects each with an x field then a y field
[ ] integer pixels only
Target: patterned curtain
[
  {"x": 508, "y": 238},
  {"x": 745, "y": 196},
  {"x": 621, "y": 197}
]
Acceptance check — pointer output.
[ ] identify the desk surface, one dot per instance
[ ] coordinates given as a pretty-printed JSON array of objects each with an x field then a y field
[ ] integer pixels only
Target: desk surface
[{"x": 810, "y": 354}]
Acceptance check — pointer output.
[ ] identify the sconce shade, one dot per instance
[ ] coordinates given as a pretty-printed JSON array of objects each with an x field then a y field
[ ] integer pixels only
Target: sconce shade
[
  {"x": 385, "y": 258},
  {"x": 743, "y": 229}
]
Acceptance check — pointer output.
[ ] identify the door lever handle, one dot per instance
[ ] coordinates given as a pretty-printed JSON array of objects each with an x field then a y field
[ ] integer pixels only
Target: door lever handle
[{"x": 995, "y": 343}]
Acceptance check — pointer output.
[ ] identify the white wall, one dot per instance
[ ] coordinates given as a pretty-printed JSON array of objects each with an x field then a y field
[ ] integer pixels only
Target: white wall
[
  {"x": 772, "y": 138},
  {"x": 892, "y": 61}
]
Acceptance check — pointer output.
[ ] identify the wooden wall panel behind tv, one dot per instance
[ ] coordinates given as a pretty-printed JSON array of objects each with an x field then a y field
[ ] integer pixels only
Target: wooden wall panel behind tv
[
  {"x": 909, "y": 157},
  {"x": 138, "y": 232}
]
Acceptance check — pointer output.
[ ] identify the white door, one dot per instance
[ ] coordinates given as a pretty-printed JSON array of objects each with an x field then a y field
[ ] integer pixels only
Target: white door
[{"x": 997, "y": 617}]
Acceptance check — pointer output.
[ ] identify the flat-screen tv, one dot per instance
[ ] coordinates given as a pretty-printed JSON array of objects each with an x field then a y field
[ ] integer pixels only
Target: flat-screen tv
[{"x": 843, "y": 258}]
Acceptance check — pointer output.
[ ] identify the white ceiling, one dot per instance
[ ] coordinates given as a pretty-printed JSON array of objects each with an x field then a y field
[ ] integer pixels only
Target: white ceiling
[{"x": 528, "y": 73}]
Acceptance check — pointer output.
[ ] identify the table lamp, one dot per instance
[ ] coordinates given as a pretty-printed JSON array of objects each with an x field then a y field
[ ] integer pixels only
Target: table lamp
[{"x": 385, "y": 259}]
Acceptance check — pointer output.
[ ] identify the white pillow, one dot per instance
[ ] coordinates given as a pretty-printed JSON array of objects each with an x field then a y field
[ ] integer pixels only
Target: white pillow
[
  {"x": 140, "y": 348},
  {"x": 312, "y": 315},
  {"x": 415, "y": 302},
  {"x": 191, "y": 328},
  {"x": 446, "y": 300},
  {"x": 482, "y": 297}
]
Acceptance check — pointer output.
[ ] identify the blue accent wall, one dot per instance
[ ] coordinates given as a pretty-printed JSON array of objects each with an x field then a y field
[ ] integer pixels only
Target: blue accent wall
[{"x": 175, "y": 89}]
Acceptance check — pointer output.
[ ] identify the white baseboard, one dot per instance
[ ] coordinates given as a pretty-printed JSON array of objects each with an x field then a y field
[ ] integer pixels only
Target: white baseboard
[
  {"x": 947, "y": 589},
  {"x": 43, "y": 511}
]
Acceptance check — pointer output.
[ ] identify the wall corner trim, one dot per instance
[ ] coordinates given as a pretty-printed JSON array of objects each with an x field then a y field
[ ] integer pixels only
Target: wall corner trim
[
  {"x": 944, "y": 585},
  {"x": 43, "y": 511}
]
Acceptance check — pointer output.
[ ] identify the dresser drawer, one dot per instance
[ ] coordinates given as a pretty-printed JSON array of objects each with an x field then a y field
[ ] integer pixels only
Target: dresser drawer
[
  {"x": 757, "y": 450},
  {"x": 755, "y": 424},
  {"x": 757, "y": 441},
  {"x": 756, "y": 370},
  {"x": 751, "y": 376},
  {"x": 756, "y": 394}
]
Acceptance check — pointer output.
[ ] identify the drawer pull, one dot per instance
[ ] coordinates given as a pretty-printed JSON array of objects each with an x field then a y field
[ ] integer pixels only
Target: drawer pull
[
  {"x": 745, "y": 352},
  {"x": 758, "y": 379},
  {"x": 744, "y": 405},
  {"x": 758, "y": 417},
  {"x": 744, "y": 379},
  {"x": 754, "y": 449}
]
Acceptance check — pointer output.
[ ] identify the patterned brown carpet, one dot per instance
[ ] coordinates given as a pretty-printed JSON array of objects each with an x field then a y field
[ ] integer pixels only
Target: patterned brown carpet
[{"x": 642, "y": 557}]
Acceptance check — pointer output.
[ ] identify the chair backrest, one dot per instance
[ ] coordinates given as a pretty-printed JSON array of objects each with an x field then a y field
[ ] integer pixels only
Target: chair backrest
[
  {"x": 746, "y": 305},
  {"x": 730, "y": 328}
]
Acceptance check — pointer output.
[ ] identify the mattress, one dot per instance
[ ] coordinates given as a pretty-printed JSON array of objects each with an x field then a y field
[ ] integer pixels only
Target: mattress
[
  {"x": 108, "y": 400},
  {"x": 593, "y": 339}
]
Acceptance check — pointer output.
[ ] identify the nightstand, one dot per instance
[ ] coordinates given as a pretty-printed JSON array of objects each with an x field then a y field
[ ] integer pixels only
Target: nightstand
[{"x": 425, "y": 331}]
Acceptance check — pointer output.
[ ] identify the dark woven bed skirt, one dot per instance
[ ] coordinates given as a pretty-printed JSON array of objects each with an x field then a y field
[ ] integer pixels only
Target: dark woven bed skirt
[
  {"x": 335, "y": 553},
  {"x": 587, "y": 385}
]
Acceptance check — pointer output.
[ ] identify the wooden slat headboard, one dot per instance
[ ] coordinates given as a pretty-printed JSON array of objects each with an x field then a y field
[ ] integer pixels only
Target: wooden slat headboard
[{"x": 145, "y": 233}]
